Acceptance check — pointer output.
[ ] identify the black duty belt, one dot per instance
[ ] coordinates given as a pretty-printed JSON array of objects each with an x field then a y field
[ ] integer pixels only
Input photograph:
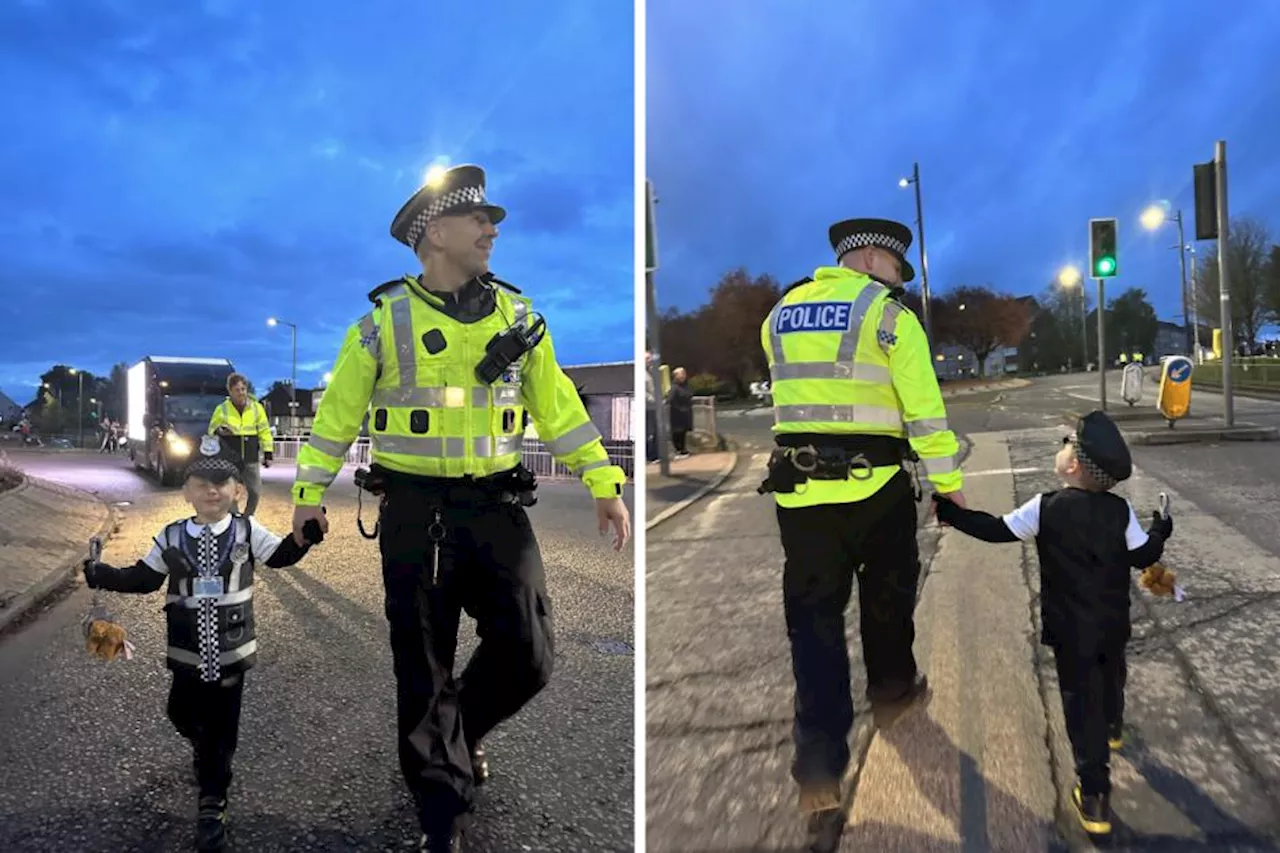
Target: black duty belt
[
  {"x": 801, "y": 457},
  {"x": 515, "y": 486}
]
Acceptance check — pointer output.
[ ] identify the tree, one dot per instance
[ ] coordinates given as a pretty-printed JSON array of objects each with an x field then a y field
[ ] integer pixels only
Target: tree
[
  {"x": 1250, "y": 278},
  {"x": 1273, "y": 282},
  {"x": 115, "y": 393},
  {"x": 981, "y": 320},
  {"x": 723, "y": 336},
  {"x": 64, "y": 387},
  {"x": 1132, "y": 323}
]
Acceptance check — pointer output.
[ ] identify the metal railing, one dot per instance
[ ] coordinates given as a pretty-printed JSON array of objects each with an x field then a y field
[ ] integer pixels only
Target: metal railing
[
  {"x": 536, "y": 457},
  {"x": 704, "y": 415}
]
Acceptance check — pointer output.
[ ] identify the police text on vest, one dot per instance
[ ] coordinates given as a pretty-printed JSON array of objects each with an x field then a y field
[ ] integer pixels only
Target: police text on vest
[{"x": 814, "y": 317}]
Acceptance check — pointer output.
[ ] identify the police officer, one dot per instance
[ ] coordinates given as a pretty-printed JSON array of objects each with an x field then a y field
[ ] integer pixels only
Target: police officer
[
  {"x": 855, "y": 397},
  {"x": 242, "y": 421},
  {"x": 449, "y": 362}
]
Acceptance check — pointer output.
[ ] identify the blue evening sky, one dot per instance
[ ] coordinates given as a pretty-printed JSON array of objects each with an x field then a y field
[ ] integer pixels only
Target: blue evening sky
[
  {"x": 769, "y": 120},
  {"x": 174, "y": 173}
]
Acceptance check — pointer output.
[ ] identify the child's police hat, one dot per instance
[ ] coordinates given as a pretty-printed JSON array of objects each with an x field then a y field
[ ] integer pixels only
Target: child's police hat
[
  {"x": 215, "y": 461},
  {"x": 1101, "y": 449},
  {"x": 451, "y": 193}
]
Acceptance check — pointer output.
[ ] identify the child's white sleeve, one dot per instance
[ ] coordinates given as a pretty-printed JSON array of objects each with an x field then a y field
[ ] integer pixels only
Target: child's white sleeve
[
  {"x": 1024, "y": 522},
  {"x": 1134, "y": 536},
  {"x": 262, "y": 541},
  {"x": 155, "y": 557}
]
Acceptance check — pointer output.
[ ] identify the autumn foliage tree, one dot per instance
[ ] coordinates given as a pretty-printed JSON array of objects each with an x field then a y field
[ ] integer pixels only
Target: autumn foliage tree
[
  {"x": 980, "y": 319},
  {"x": 723, "y": 336}
]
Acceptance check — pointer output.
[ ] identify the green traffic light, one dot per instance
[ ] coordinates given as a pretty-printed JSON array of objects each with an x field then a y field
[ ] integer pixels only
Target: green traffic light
[{"x": 1106, "y": 266}]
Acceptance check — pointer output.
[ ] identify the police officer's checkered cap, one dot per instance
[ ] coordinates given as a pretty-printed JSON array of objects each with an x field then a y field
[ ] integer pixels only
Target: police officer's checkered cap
[
  {"x": 1102, "y": 478},
  {"x": 870, "y": 238},
  {"x": 458, "y": 197}
]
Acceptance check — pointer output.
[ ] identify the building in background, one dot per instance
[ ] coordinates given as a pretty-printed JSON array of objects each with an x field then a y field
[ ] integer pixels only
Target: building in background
[{"x": 607, "y": 389}]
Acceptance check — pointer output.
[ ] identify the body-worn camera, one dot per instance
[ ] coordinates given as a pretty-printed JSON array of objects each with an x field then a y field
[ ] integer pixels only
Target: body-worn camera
[{"x": 506, "y": 347}]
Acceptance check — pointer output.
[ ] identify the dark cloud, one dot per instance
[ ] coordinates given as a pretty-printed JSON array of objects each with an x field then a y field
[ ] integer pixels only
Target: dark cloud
[
  {"x": 175, "y": 173},
  {"x": 1027, "y": 120}
]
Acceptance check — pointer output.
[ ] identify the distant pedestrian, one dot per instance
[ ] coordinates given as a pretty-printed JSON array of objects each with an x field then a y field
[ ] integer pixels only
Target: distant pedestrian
[
  {"x": 680, "y": 404},
  {"x": 208, "y": 561},
  {"x": 1087, "y": 540}
]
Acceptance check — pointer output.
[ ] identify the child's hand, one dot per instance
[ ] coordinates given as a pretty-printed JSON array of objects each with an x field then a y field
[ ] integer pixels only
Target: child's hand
[
  {"x": 1162, "y": 524},
  {"x": 312, "y": 533},
  {"x": 946, "y": 509},
  {"x": 89, "y": 568}
]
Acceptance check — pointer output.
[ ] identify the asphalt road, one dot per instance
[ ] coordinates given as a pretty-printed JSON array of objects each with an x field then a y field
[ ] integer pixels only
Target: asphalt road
[
  {"x": 92, "y": 764},
  {"x": 719, "y": 685}
]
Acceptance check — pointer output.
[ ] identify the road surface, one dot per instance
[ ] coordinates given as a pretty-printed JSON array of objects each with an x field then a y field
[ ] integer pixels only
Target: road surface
[{"x": 92, "y": 764}]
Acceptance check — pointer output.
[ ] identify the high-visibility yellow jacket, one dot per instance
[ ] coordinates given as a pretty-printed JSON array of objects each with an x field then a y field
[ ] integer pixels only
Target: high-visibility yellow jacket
[
  {"x": 250, "y": 426},
  {"x": 412, "y": 367},
  {"x": 847, "y": 359}
]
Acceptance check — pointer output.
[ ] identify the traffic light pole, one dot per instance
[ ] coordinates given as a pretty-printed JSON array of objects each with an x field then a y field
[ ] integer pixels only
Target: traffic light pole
[
  {"x": 1228, "y": 337},
  {"x": 1102, "y": 350},
  {"x": 654, "y": 335}
]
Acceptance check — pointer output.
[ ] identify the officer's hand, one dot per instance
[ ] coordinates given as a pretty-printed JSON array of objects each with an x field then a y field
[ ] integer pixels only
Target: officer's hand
[
  {"x": 303, "y": 514},
  {"x": 613, "y": 512},
  {"x": 224, "y": 430}
]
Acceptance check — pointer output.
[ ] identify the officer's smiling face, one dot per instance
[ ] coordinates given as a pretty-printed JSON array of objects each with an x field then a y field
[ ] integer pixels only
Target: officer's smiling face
[{"x": 467, "y": 240}]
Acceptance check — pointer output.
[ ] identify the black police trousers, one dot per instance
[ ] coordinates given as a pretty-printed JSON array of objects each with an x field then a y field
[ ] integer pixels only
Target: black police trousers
[
  {"x": 208, "y": 715},
  {"x": 1091, "y": 683},
  {"x": 488, "y": 565},
  {"x": 825, "y": 547}
]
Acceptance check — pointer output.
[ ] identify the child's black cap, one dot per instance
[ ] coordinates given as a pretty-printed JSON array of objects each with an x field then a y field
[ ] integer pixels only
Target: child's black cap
[
  {"x": 216, "y": 461},
  {"x": 1102, "y": 449}
]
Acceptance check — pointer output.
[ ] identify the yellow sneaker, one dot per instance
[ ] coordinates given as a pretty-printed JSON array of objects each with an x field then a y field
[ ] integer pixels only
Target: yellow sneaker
[{"x": 1093, "y": 811}]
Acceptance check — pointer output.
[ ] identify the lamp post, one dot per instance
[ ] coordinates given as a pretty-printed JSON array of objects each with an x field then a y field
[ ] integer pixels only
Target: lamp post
[
  {"x": 924, "y": 258},
  {"x": 293, "y": 377},
  {"x": 1070, "y": 277},
  {"x": 1152, "y": 218},
  {"x": 79, "y": 404}
]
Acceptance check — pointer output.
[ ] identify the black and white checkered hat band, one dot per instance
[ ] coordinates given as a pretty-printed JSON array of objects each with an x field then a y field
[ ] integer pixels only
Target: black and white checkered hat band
[
  {"x": 451, "y": 199},
  {"x": 867, "y": 238},
  {"x": 213, "y": 466},
  {"x": 1102, "y": 478}
]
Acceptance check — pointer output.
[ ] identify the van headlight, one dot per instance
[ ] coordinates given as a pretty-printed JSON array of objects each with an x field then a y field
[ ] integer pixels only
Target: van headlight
[{"x": 178, "y": 445}]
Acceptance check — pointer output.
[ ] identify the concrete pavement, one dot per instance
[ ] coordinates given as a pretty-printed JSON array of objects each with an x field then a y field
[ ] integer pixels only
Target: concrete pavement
[
  {"x": 986, "y": 765},
  {"x": 690, "y": 479},
  {"x": 92, "y": 764}
]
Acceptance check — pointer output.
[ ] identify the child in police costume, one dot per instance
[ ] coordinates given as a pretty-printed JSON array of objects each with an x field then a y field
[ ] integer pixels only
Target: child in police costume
[
  {"x": 208, "y": 561},
  {"x": 1087, "y": 539}
]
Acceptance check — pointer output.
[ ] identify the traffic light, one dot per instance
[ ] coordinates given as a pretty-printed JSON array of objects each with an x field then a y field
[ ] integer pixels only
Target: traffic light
[{"x": 1102, "y": 247}]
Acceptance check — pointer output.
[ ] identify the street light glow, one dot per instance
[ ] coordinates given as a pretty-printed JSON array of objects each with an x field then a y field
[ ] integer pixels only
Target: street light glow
[
  {"x": 434, "y": 175},
  {"x": 1069, "y": 276},
  {"x": 271, "y": 321},
  {"x": 328, "y": 377},
  {"x": 1153, "y": 217},
  {"x": 904, "y": 182}
]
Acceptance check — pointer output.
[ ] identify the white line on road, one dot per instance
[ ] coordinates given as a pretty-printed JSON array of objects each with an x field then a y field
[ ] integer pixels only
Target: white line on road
[{"x": 1006, "y": 471}]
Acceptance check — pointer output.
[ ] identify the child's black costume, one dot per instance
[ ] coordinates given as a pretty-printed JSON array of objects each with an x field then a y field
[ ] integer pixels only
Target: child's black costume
[
  {"x": 1087, "y": 541},
  {"x": 210, "y": 625}
]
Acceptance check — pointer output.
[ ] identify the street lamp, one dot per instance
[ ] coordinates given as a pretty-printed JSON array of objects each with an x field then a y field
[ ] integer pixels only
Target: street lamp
[
  {"x": 79, "y": 402},
  {"x": 328, "y": 377},
  {"x": 1069, "y": 277},
  {"x": 924, "y": 258},
  {"x": 293, "y": 379},
  {"x": 1152, "y": 218}
]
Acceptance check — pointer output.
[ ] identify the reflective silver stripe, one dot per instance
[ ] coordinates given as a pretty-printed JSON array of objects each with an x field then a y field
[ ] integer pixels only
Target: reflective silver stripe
[
  {"x": 423, "y": 398},
  {"x": 591, "y": 466},
  {"x": 505, "y": 395},
  {"x": 826, "y": 370},
  {"x": 189, "y": 603},
  {"x": 936, "y": 467},
  {"x": 521, "y": 309},
  {"x": 315, "y": 475},
  {"x": 889, "y": 323},
  {"x": 441, "y": 448},
  {"x": 369, "y": 337},
  {"x": 838, "y": 414},
  {"x": 503, "y": 445},
  {"x": 926, "y": 426},
  {"x": 193, "y": 659},
  {"x": 572, "y": 440},
  {"x": 775, "y": 339},
  {"x": 328, "y": 446},
  {"x": 402, "y": 326},
  {"x": 849, "y": 341}
]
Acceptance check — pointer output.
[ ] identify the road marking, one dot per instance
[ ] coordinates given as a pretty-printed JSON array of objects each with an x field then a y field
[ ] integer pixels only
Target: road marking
[{"x": 994, "y": 471}]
